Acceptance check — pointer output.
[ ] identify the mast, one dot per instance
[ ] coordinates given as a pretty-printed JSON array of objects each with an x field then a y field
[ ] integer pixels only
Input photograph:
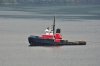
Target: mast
[{"x": 54, "y": 26}]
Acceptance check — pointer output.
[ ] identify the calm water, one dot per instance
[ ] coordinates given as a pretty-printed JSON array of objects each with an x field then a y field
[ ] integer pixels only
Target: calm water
[
  {"x": 91, "y": 12},
  {"x": 77, "y": 23}
]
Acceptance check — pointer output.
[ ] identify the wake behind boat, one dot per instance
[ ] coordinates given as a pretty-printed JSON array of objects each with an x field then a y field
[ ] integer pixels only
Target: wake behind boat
[{"x": 51, "y": 38}]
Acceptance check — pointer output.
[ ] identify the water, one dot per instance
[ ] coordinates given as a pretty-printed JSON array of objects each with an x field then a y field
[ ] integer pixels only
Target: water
[
  {"x": 77, "y": 23},
  {"x": 62, "y": 12}
]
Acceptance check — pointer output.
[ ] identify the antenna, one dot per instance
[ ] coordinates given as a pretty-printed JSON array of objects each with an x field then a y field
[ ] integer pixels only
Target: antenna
[{"x": 54, "y": 26}]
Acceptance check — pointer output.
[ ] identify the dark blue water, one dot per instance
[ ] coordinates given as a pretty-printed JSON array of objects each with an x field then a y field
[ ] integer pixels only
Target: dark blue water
[{"x": 89, "y": 12}]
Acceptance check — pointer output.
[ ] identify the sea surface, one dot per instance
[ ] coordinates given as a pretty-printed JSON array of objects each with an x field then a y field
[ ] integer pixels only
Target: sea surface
[
  {"x": 63, "y": 12},
  {"x": 77, "y": 22}
]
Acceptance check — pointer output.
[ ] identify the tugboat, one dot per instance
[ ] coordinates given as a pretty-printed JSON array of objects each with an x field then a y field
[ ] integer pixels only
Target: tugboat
[{"x": 51, "y": 38}]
